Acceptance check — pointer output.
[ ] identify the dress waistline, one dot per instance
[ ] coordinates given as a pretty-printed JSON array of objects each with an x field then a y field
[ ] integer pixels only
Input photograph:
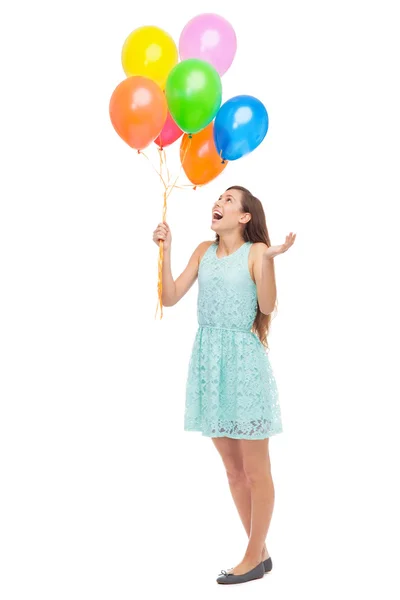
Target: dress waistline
[{"x": 226, "y": 328}]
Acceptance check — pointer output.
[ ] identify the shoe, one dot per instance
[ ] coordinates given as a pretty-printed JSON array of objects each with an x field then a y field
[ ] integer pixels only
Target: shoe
[
  {"x": 256, "y": 573},
  {"x": 267, "y": 564}
]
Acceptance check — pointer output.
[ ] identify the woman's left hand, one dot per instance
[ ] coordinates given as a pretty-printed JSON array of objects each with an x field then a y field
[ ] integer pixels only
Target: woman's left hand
[{"x": 273, "y": 251}]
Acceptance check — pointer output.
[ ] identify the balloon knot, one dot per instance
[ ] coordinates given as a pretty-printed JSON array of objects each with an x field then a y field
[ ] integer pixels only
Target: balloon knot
[
  {"x": 190, "y": 136},
  {"x": 194, "y": 187},
  {"x": 223, "y": 162},
  {"x": 138, "y": 151}
]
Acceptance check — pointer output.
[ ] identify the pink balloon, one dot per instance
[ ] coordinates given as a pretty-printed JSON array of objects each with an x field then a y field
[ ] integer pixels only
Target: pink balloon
[
  {"x": 210, "y": 38},
  {"x": 169, "y": 133}
]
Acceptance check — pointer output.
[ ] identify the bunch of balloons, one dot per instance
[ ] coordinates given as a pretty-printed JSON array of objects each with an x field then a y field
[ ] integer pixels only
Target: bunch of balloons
[{"x": 163, "y": 98}]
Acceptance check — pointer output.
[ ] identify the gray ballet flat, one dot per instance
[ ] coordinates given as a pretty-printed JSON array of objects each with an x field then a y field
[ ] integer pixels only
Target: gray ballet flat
[
  {"x": 267, "y": 564},
  {"x": 256, "y": 573}
]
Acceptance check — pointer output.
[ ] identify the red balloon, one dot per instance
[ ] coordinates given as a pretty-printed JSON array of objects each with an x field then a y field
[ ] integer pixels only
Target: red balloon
[
  {"x": 138, "y": 110},
  {"x": 169, "y": 134}
]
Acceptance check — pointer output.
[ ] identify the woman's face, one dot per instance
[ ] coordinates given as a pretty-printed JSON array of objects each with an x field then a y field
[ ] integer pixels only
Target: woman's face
[{"x": 229, "y": 206}]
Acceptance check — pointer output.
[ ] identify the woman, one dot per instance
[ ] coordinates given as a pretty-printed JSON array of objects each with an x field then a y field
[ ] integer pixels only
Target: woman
[{"x": 231, "y": 393}]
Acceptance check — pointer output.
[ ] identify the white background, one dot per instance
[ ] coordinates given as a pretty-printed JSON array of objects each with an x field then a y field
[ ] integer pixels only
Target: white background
[{"x": 102, "y": 492}]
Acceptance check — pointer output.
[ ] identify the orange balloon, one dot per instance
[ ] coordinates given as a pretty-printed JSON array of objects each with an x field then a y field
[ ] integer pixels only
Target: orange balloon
[
  {"x": 138, "y": 111},
  {"x": 199, "y": 157}
]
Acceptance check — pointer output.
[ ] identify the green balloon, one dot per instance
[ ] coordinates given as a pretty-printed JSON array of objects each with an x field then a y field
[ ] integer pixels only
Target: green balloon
[{"x": 194, "y": 92}]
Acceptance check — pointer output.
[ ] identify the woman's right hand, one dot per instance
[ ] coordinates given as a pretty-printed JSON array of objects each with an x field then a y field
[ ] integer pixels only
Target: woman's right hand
[{"x": 162, "y": 232}]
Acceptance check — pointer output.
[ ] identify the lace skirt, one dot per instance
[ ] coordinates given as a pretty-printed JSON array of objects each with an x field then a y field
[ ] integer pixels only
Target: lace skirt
[{"x": 231, "y": 389}]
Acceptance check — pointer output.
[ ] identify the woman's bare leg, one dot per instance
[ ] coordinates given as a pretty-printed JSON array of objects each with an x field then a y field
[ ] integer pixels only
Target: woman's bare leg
[
  {"x": 257, "y": 468},
  {"x": 231, "y": 454}
]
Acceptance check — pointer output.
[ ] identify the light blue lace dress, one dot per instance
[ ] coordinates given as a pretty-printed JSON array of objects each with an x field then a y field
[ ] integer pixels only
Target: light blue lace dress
[{"x": 231, "y": 389}]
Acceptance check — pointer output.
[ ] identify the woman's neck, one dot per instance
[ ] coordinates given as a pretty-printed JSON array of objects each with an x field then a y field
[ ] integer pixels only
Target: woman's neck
[{"x": 230, "y": 243}]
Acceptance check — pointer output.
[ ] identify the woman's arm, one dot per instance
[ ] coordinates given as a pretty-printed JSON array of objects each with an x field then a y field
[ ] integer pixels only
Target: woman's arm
[
  {"x": 264, "y": 275},
  {"x": 173, "y": 291},
  {"x": 264, "y": 272}
]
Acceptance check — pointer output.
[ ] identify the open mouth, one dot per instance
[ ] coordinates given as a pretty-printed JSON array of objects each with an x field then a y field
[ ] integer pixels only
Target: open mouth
[{"x": 217, "y": 216}]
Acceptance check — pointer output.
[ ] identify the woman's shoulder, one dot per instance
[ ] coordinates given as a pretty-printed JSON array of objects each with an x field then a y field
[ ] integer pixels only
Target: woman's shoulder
[
  {"x": 259, "y": 245},
  {"x": 203, "y": 247},
  {"x": 257, "y": 248}
]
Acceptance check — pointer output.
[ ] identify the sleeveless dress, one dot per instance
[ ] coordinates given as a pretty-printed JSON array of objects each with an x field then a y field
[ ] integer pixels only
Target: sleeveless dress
[{"x": 231, "y": 389}]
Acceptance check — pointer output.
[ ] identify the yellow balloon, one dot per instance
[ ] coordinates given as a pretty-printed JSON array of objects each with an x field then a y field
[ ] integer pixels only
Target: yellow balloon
[{"x": 151, "y": 52}]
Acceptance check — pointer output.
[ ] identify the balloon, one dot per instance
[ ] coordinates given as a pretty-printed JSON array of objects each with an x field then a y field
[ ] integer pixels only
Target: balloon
[
  {"x": 211, "y": 38},
  {"x": 194, "y": 93},
  {"x": 151, "y": 52},
  {"x": 169, "y": 134},
  {"x": 138, "y": 110},
  {"x": 240, "y": 126},
  {"x": 199, "y": 157}
]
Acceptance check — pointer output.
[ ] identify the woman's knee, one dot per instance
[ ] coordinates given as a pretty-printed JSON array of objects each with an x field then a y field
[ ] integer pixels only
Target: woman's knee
[
  {"x": 257, "y": 474},
  {"x": 230, "y": 453},
  {"x": 256, "y": 460},
  {"x": 236, "y": 474}
]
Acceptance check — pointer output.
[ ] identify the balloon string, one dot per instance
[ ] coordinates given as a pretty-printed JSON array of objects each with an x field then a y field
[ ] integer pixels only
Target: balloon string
[
  {"x": 161, "y": 161},
  {"x": 165, "y": 162},
  {"x": 167, "y": 191},
  {"x": 160, "y": 263},
  {"x": 184, "y": 186},
  {"x": 181, "y": 167},
  {"x": 161, "y": 247},
  {"x": 159, "y": 173}
]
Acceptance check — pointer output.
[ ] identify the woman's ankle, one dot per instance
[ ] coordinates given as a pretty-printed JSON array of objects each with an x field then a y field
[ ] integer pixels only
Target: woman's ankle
[{"x": 264, "y": 553}]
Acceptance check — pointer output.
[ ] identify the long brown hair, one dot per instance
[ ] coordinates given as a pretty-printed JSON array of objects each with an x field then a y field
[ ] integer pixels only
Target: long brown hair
[{"x": 255, "y": 231}]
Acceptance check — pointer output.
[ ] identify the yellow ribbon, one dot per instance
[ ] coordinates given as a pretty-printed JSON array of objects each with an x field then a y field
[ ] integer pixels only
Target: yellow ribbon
[{"x": 165, "y": 179}]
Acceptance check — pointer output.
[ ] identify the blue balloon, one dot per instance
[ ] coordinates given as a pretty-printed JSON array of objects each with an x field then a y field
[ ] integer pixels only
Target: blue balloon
[{"x": 240, "y": 126}]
